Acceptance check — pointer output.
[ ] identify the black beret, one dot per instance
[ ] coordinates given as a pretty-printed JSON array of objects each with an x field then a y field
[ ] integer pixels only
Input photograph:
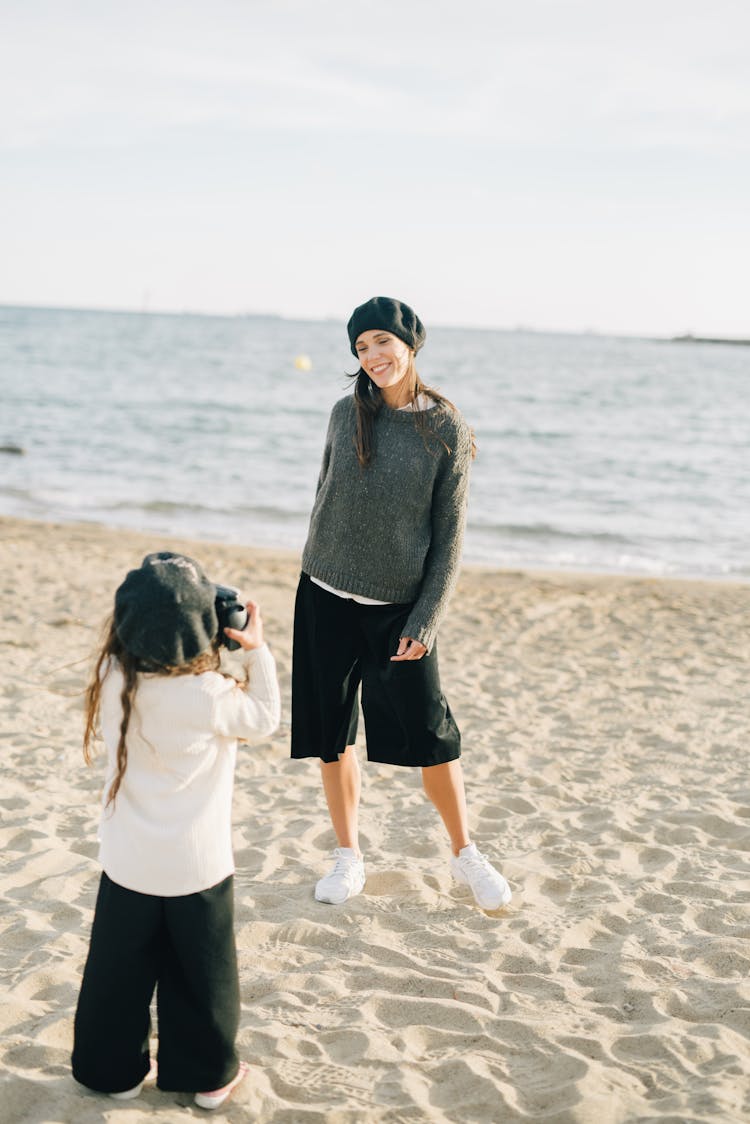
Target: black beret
[
  {"x": 165, "y": 612},
  {"x": 390, "y": 316}
]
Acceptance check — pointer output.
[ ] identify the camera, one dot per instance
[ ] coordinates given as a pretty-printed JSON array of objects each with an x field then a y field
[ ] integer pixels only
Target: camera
[{"x": 231, "y": 613}]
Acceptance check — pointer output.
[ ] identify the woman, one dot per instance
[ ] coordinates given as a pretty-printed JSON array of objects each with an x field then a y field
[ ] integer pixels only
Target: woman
[{"x": 378, "y": 567}]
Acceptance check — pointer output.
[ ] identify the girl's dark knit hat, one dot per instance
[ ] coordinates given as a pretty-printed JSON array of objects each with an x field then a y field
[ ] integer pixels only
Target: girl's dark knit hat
[
  {"x": 165, "y": 612},
  {"x": 390, "y": 316}
]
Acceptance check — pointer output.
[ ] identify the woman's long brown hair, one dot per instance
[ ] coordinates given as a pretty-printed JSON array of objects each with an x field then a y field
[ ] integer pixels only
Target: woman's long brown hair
[
  {"x": 130, "y": 666},
  {"x": 368, "y": 401}
]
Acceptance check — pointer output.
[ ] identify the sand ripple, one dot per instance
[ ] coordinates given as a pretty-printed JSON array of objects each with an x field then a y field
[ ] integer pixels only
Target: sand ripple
[{"x": 606, "y": 725}]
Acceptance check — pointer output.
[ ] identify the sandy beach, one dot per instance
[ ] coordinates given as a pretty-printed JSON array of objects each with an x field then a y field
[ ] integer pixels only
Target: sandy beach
[{"x": 606, "y": 724}]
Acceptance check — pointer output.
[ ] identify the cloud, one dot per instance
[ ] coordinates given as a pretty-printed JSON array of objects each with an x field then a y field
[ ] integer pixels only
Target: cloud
[
  {"x": 222, "y": 156},
  {"x": 529, "y": 75}
]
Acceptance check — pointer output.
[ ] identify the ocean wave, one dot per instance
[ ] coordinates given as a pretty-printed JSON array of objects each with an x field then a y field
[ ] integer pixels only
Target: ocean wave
[
  {"x": 189, "y": 510},
  {"x": 594, "y": 453},
  {"x": 547, "y": 532}
]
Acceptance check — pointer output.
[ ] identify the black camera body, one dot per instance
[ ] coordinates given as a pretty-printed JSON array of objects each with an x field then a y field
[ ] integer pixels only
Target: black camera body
[{"x": 231, "y": 613}]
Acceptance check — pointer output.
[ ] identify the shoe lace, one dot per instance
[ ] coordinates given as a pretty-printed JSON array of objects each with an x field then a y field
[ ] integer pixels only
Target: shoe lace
[
  {"x": 477, "y": 866},
  {"x": 343, "y": 864}
]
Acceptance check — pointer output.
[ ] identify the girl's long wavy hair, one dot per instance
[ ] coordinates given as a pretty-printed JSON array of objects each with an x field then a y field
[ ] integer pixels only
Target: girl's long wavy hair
[
  {"x": 131, "y": 667},
  {"x": 368, "y": 401}
]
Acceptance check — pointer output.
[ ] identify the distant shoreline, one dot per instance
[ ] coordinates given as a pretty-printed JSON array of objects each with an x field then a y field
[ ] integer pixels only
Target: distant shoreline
[
  {"x": 518, "y": 329},
  {"x": 709, "y": 339}
]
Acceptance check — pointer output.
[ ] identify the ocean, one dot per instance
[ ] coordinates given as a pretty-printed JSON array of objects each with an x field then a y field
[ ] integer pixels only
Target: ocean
[{"x": 596, "y": 453}]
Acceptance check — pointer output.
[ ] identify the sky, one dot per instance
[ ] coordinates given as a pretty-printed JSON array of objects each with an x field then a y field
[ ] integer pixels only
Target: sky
[{"x": 564, "y": 166}]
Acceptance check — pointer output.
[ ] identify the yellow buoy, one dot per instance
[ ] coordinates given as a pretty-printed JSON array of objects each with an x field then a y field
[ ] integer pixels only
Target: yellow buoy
[{"x": 303, "y": 362}]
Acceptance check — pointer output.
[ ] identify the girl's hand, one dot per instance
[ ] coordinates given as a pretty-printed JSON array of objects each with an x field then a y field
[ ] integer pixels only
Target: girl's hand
[
  {"x": 251, "y": 635},
  {"x": 409, "y": 649}
]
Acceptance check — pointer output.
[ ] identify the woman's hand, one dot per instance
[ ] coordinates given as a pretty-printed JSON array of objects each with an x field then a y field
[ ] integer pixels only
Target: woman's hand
[
  {"x": 409, "y": 649},
  {"x": 251, "y": 635}
]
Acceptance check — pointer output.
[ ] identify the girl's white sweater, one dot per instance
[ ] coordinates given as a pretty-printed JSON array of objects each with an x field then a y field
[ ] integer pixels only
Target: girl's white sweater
[{"x": 170, "y": 829}]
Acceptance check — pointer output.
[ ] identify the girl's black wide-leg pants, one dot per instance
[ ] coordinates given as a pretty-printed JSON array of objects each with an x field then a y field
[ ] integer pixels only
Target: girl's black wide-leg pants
[{"x": 183, "y": 947}]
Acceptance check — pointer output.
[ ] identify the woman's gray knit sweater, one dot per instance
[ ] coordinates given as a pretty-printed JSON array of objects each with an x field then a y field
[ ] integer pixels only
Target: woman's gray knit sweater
[{"x": 393, "y": 530}]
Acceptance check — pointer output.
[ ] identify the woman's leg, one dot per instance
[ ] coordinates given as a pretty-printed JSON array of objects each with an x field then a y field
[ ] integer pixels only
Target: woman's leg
[
  {"x": 325, "y": 683},
  {"x": 444, "y": 785},
  {"x": 342, "y": 784}
]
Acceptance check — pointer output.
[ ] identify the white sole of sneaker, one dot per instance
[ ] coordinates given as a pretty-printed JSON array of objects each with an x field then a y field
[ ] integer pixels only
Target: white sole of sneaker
[
  {"x": 215, "y": 1100},
  {"x": 327, "y": 899}
]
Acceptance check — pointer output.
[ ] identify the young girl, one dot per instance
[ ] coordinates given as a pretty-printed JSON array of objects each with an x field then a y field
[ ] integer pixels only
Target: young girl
[
  {"x": 171, "y": 721},
  {"x": 378, "y": 568}
]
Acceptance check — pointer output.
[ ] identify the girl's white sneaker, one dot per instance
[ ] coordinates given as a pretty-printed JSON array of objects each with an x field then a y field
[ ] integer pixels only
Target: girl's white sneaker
[
  {"x": 131, "y": 1094},
  {"x": 216, "y": 1098}
]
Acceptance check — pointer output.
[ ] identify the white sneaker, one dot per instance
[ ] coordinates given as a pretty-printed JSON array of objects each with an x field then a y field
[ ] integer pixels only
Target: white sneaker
[
  {"x": 488, "y": 886},
  {"x": 131, "y": 1094},
  {"x": 216, "y": 1098},
  {"x": 345, "y": 878}
]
